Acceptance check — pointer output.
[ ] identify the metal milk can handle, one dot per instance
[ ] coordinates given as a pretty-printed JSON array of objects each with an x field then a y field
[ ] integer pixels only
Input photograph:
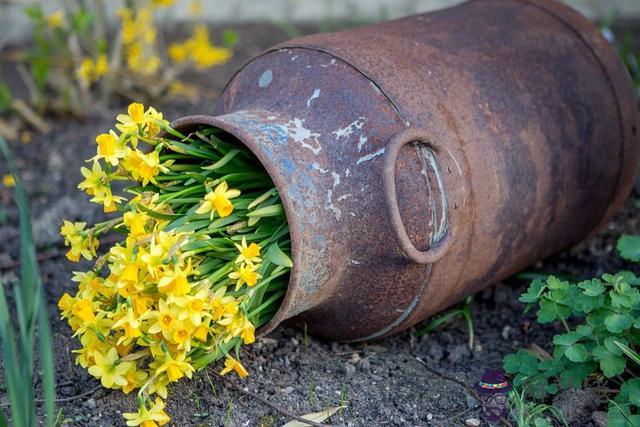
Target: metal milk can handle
[{"x": 392, "y": 149}]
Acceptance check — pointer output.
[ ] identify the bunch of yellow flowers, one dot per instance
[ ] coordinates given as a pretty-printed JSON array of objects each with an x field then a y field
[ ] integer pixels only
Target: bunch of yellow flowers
[{"x": 202, "y": 261}]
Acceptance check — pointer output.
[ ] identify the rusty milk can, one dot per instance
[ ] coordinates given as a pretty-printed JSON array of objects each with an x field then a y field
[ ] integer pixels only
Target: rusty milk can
[{"x": 422, "y": 159}]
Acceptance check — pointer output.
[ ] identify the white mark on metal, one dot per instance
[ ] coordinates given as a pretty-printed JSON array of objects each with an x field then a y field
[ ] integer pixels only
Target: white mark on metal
[
  {"x": 271, "y": 118},
  {"x": 293, "y": 58},
  {"x": 352, "y": 214},
  {"x": 265, "y": 79},
  {"x": 302, "y": 135},
  {"x": 329, "y": 204},
  {"x": 316, "y": 94},
  {"x": 370, "y": 156},
  {"x": 346, "y": 131},
  {"x": 355, "y": 262},
  {"x": 343, "y": 197},
  {"x": 316, "y": 166},
  {"x": 336, "y": 179},
  {"x": 347, "y": 172},
  {"x": 308, "y": 66},
  {"x": 361, "y": 142}
]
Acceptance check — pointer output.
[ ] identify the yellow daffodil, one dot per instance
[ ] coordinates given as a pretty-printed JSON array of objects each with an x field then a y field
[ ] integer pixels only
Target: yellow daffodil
[
  {"x": 56, "y": 19},
  {"x": 152, "y": 417},
  {"x": 135, "y": 221},
  {"x": 110, "y": 370},
  {"x": 249, "y": 254},
  {"x": 8, "y": 181},
  {"x": 164, "y": 320},
  {"x": 175, "y": 368},
  {"x": 199, "y": 50},
  {"x": 96, "y": 181},
  {"x": 81, "y": 243},
  {"x": 174, "y": 282},
  {"x": 110, "y": 148},
  {"x": 231, "y": 364},
  {"x": 135, "y": 378},
  {"x": 130, "y": 323},
  {"x": 246, "y": 273},
  {"x": 218, "y": 201}
]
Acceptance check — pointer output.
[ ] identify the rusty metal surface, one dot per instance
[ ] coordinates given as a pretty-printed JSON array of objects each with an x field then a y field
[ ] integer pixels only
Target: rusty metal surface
[{"x": 531, "y": 124}]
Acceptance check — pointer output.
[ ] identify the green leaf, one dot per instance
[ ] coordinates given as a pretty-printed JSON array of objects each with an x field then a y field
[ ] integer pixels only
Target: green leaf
[
  {"x": 276, "y": 256},
  {"x": 629, "y": 352},
  {"x": 566, "y": 339},
  {"x": 612, "y": 366},
  {"x": 616, "y": 323},
  {"x": 533, "y": 292},
  {"x": 584, "y": 330},
  {"x": 629, "y": 247},
  {"x": 577, "y": 353},
  {"x": 592, "y": 288},
  {"x": 542, "y": 422}
]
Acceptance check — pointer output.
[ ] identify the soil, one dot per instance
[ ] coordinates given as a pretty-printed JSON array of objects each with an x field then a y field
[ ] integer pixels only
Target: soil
[{"x": 387, "y": 382}]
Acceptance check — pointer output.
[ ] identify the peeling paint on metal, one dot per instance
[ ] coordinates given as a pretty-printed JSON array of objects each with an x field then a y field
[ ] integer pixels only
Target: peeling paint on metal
[
  {"x": 316, "y": 94},
  {"x": 302, "y": 135},
  {"x": 265, "y": 79},
  {"x": 370, "y": 156},
  {"x": 348, "y": 130},
  {"x": 361, "y": 142}
]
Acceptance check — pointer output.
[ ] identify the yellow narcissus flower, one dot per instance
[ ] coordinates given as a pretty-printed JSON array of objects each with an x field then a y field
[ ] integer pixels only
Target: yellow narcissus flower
[
  {"x": 246, "y": 273},
  {"x": 165, "y": 320},
  {"x": 135, "y": 378},
  {"x": 8, "y": 181},
  {"x": 83, "y": 310},
  {"x": 155, "y": 416},
  {"x": 95, "y": 180},
  {"x": 231, "y": 364},
  {"x": 109, "y": 369},
  {"x": 135, "y": 221},
  {"x": 110, "y": 148},
  {"x": 174, "y": 281},
  {"x": 56, "y": 19},
  {"x": 218, "y": 201},
  {"x": 193, "y": 306},
  {"x": 81, "y": 243},
  {"x": 249, "y": 254},
  {"x": 130, "y": 323},
  {"x": 175, "y": 368}
]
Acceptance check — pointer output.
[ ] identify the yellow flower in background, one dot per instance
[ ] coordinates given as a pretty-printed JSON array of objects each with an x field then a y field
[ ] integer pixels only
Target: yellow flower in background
[
  {"x": 101, "y": 67},
  {"x": 162, "y": 3},
  {"x": 110, "y": 370},
  {"x": 195, "y": 7},
  {"x": 90, "y": 71},
  {"x": 8, "y": 180},
  {"x": 199, "y": 50},
  {"x": 246, "y": 273},
  {"x": 56, "y": 19},
  {"x": 231, "y": 364},
  {"x": 218, "y": 201},
  {"x": 152, "y": 417},
  {"x": 249, "y": 254}
]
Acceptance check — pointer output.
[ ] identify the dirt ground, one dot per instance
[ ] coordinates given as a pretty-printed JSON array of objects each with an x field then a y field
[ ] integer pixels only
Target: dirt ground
[{"x": 388, "y": 382}]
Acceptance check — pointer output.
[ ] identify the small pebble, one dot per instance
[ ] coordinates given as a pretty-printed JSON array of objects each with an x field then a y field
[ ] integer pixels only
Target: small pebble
[
  {"x": 472, "y": 422},
  {"x": 429, "y": 417},
  {"x": 90, "y": 403}
]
